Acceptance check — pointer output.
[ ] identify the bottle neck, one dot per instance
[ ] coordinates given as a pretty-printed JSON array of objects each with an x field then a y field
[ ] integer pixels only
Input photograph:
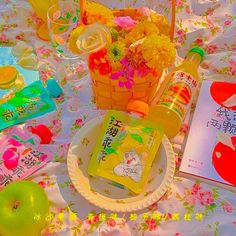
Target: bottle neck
[{"x": 194, "y": 58}]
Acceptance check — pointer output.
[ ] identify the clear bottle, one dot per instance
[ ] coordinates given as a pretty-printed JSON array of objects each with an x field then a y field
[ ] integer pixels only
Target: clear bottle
[{"x": 175, "y": 96}]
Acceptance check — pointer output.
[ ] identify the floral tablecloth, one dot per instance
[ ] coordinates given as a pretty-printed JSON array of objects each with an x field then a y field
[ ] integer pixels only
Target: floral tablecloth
[{"x": 188, "y": 208}]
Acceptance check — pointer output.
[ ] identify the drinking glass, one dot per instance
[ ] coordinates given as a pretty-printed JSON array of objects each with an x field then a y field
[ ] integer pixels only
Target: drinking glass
[{"x": 63, "y": 18}]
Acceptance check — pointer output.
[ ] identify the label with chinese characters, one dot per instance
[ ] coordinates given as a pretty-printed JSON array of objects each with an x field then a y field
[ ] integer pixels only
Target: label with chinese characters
[
  {"x": 125, "y": 150},
  {"x": 210, "y": 151},
  {"x": 179, "y": 93},
  {"x": 19, "y": 159}
]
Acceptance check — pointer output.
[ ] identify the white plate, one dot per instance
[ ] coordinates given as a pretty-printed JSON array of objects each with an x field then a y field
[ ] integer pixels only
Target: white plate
[{"x": 104, "y": 195}]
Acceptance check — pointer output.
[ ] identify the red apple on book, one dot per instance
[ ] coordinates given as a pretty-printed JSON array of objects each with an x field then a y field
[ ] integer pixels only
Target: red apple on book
[
  {"x": 222, "y": 92},
  {"x": 224, "y": 161},
  {"x": 20, "y": 203}
]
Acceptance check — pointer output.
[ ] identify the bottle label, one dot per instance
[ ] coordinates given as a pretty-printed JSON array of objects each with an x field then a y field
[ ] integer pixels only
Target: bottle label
[{"x": 179, "y": 93}]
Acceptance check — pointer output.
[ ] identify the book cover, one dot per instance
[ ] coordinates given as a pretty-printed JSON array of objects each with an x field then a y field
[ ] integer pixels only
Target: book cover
[{"x": 210, "y": 152}]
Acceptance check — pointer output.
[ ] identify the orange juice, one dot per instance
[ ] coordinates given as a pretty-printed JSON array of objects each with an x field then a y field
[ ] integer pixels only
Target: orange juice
[{"x": 175, "y": 96}]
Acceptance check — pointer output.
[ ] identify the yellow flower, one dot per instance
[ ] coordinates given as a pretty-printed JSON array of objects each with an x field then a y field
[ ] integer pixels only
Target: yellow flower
[
  {"x": 141, "y": 30},
  {"x": 96, "y": 12},
  {"x": 161, "y": 22},
  {"x": 116, "y": 52},
  {"x": 158, "y": 51}
]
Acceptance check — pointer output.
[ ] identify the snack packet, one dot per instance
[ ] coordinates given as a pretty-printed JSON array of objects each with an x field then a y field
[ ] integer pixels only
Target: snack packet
[
  {"x": 32, "y": 101},
  {"x": 125, "y": 150},
  {"x": 19, "y": 157}
]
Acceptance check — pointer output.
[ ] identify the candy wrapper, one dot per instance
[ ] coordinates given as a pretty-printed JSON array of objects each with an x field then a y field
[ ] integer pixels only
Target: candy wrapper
[
  {"x": 125, "y": 150},
  {"x": 19, "y": 157}
]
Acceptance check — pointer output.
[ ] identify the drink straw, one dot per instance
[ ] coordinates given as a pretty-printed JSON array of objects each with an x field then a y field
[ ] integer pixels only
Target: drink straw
[
  {"x": 82, "y": 10},
  {"x": 172, "y": 28}
]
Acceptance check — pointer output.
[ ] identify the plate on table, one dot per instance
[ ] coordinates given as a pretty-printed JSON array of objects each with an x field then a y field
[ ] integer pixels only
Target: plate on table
[{"x": 104, "y": 193}]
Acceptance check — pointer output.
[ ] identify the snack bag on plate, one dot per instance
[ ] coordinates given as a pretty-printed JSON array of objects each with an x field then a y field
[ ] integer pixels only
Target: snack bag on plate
[{"x": 125, "y": 150}]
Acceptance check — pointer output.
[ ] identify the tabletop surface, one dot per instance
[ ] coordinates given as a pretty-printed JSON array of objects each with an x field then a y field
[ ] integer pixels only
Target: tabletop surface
[{"x": 189, "y": 208}]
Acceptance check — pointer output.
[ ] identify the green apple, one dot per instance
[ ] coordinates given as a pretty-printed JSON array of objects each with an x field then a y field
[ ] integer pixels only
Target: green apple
[{"x": 23, "y": 209}]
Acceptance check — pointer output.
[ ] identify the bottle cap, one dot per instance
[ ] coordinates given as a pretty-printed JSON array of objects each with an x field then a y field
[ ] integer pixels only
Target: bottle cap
[
  {"x": 43, "y": 132},
  {"x": 138, "y": 106},
  {"x": 199, "y": 51},
  {"x": 53, "y": 88}
]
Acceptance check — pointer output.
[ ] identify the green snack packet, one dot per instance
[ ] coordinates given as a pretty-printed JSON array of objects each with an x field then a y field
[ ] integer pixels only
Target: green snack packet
[{"x": 30, "y": 102}]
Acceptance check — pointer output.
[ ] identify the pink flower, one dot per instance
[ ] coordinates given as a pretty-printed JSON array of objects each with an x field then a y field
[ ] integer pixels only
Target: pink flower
[
  {"x": 79, "y": 122},
  {"x": 195, "y": 189},
  {"x": 232, "y": 67},
  {"x": 227, "y": 207},
  {"x": 72, "y": 187},
  {"x": 234, "y": 223},
  {"x": 211, "y": 48},
  {"x": 42, "y": 50},
  {"x": 181, "y": 35},
  {"x": 20, "y": 37},
  {"x": 151, "y": 223},
  {"x": 94, "y": 220},
  {"x": 45, "y": 75},
  {"x": 206, "y": 198},
  {"x": 179, "y": 3},
  {"x": 111, "y": 222},
  {"x": 191, "y": 200},
  {"x": 36, "y": 20},
  {"x": 125, "y": 22},
  {"x": 42, "y": 184},
  {"x": 227, "y": 22},
  {"x": 199, "y": 42},
  {"x": 178, "y": 234},
  {"x": 181, "y": 32},
  {"x": 3, "y": 38},
  {"x": 126, "y": 73},
  {"x": 56, "y": 123},
  {"x": 185, "y": 128},
  {"x": 187, "y": 10}
]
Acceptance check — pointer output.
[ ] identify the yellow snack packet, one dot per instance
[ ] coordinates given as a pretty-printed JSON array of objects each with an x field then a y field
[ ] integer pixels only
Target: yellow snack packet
[{"x": 125, "y": 150}]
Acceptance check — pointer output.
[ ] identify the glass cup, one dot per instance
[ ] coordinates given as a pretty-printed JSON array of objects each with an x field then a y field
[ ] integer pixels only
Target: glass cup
[{"x": 62, "y": 19}]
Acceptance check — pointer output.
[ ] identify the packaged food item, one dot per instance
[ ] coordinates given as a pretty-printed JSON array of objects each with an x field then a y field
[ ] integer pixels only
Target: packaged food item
[
  {"x": 10, "y": 77},
  {"x": 19, "y": 157},
  {"x": 32, "y": 101},
  {"x": 125, "y": 150},
  {"x": 175, "y": 96}
]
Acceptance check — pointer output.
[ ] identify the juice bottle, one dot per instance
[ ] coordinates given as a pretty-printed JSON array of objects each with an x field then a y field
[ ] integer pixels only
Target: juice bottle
[{"x": 175, "y": 96}]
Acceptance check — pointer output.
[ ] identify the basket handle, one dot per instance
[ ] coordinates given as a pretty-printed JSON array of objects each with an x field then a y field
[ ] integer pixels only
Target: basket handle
[
  {"x": 173, "y": 14},
  {"x": 172, "y": 28},
  {"x": 82, "y": 11}
]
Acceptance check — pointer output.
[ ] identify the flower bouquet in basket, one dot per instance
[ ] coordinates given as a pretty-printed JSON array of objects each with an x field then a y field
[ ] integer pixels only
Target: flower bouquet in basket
[{"x": 127, "y": 50}]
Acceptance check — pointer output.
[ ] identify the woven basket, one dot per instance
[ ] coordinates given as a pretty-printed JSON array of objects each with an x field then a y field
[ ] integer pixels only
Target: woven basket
[{"x": 107, "y": 93}]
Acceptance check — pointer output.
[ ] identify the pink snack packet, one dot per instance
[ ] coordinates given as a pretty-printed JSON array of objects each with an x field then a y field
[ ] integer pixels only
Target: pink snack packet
[{"x": 19, "y": 157}]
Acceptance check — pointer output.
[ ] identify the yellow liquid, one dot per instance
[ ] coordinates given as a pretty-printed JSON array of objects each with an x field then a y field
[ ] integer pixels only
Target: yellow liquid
[{"x": 166, "y": 116}]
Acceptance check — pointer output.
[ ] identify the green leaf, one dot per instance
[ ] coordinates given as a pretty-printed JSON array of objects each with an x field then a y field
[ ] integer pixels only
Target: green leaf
[
  {"x": 60, "y": 50},
  {"x": 77, "y": 12},
  {"x": 147, "y": 130},
  {"x": 212, "y": 206},
  {"x": 63, "y": 27},
  {"x": 68, "y": 15},
  {"x": 110, "y": 150},
  {"x": 74, "y": 19},
  {"x": 137, "y": 138}
]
